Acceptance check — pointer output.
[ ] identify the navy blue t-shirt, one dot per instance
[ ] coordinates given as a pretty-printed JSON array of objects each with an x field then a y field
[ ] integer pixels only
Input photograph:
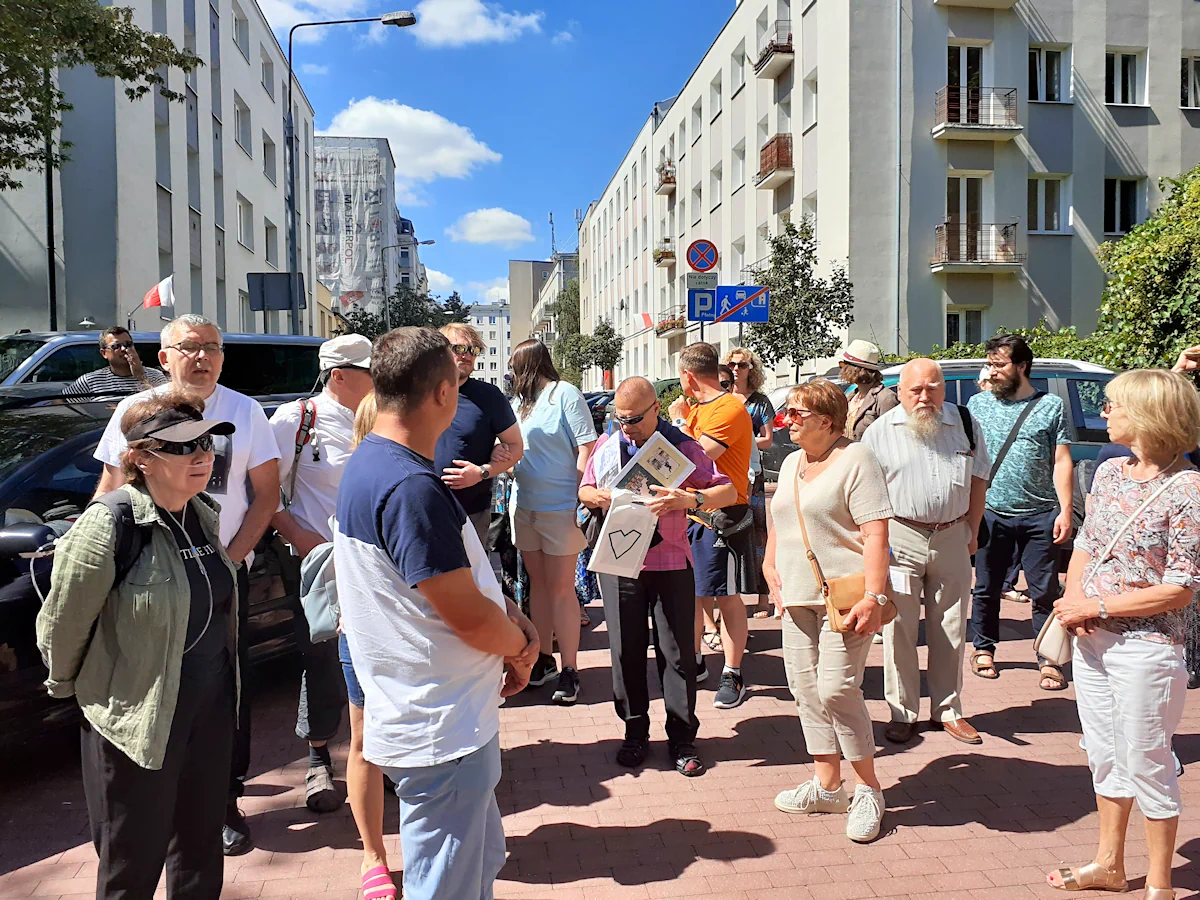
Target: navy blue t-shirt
[
  {"x": 1120, "y": 451},
  {"x": 483, "y": 414}
]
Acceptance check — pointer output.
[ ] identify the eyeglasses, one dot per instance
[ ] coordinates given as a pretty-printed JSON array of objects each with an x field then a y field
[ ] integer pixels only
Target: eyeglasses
[
  {"x": 465, "y": 350},
  {"x": 191, "y": 348},
  {"x": 796, "y": 412},
  {"x": 186, "y": 448},
  {"x": 739, "y": 365},
  {"x": 1108, "y": 406},
  {"x": 633, "y": 420},
  {"x": 725, "y": 385},
  {"x": 120, "y": 345}
]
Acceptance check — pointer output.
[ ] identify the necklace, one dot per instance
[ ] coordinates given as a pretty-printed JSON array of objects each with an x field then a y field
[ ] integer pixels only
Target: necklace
[
  {"x": 806, "y": 463},
  {"x": 1161, "y": 472},
  {"x": 203, "y": 571}
]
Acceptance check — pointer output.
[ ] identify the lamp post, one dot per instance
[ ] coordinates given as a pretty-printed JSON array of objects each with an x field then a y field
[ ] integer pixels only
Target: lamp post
[
  {"x": 400, "y": 20},
  {"x": 387, "y": 300}
]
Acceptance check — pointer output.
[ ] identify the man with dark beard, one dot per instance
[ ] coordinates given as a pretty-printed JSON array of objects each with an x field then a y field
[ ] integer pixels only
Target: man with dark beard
[
  {"x": 1029, "y": 500},
  {"x": 937, "y": 477}
]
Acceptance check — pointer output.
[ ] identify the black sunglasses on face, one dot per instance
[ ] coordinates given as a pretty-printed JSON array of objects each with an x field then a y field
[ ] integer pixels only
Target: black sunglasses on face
[
  {"x": 739, "y": 365},
  {"x": 633, "y": 420},
  {"x": 120, "y": 345},
  {"x": 186, "y": 448},
  {"x": 465, "y": 350}
]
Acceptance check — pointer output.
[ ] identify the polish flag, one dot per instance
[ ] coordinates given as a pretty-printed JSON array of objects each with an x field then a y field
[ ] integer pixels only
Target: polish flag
[
  {"x": 160, "y": 295},
  {"x": 647, "y": 320}
]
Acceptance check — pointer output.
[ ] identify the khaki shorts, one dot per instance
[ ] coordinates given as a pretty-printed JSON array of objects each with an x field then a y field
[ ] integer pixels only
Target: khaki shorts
[{"x": 556, "y": 533}]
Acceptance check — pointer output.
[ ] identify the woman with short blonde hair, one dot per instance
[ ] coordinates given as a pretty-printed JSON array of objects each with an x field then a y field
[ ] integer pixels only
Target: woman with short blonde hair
[{"x": 1134, "y": 572}]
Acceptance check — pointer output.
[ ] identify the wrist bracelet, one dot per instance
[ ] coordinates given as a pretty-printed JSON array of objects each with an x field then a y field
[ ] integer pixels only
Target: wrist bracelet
[{"x": 1103, "y": 608}]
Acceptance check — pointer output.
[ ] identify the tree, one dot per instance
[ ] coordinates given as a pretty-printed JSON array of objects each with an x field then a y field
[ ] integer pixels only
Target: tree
[
  {"x": 408, "y": 307},
  {"x": 605, "y": 347},
  {"x": 569, "y": 348},
  {"x": 808, "y": 314},
  {"x": 38, "y": 37}
]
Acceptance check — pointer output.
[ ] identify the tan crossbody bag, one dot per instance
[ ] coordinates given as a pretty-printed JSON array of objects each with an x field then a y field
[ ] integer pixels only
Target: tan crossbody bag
[{"x": 843, "y": 593}]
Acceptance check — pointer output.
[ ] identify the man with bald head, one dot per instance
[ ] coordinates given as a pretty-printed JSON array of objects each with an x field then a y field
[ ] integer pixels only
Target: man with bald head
[
  {"x": 937, "y": 467},
  {"x": 665, "y": 588}
]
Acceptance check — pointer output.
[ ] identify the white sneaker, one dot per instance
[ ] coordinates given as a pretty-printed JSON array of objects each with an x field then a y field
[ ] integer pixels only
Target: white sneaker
[
  {"x": 866, "y": 814},
  {"x": 810, "y": 797}
]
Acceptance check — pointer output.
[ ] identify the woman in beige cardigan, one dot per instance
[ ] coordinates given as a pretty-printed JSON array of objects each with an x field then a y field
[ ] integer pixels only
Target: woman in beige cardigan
[{"x": 842, "y": 494}]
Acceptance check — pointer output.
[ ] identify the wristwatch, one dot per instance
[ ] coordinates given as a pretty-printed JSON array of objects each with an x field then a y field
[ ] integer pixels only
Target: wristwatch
[
  {"x": 881, "y": 599},
  {"x": 699, "y": 495},
  {"x": 679, "y": 423},
  {"x": 485, "y": 471},
  {"x": 1103, "y": 608}
]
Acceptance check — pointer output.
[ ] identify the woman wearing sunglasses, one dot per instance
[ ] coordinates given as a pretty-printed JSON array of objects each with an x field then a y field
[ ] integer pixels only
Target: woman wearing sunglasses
[{"x": 149, "y": 655}]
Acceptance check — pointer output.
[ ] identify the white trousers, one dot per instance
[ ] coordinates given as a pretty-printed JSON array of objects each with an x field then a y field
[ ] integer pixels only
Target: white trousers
[{"x": 1131, "y": 693}]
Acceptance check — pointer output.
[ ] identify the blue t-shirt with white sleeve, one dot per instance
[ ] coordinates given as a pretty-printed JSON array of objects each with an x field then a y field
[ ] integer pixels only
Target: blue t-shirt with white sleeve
[
  {"x": 430, "y": 697},
  {"x": 554, "y": 430}
]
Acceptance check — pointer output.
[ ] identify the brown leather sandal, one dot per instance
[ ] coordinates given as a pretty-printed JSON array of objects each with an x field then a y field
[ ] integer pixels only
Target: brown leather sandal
[
  {"x": 984, "y": 669},
  {"x": 1091, "y": 877},
  {"x": 1053, "y": 674}
]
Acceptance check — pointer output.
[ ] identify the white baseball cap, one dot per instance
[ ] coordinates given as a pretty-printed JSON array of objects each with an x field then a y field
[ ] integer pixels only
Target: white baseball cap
[{"x": 347, "y": 351}]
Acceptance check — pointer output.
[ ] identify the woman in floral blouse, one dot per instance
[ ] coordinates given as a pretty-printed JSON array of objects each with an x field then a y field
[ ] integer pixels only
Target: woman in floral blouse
[{"x": 1126, "y": 608}]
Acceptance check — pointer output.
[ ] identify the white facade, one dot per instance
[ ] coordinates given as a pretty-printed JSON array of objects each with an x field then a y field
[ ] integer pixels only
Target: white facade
[
  {"x": 154, "y": 188},
  {"x": 494, "y": 322},
  {"x": 564, "y": 267},
  {"x": 965, "y": 181},
  {"x": 409, "y": 269}
]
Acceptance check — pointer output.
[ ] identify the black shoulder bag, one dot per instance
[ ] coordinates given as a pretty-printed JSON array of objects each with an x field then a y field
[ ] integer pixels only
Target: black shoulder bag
[{"x": 1004, "y": 448}]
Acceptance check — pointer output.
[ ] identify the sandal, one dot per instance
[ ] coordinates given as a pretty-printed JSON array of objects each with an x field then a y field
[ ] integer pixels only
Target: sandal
[
  {"x": 633, "y": 753},
  {"x": 584, "y": 619},
  {"x": 687, "y": 761},
  {"x": 712, "y": 640},
  {"x": 984, "y": 669},
  {"x": 1054, "y": 675},
  {"x": 1092, "y": 877},
  {"x": 762, "y": 613},
  {"x": 1015, "y": 596},
  {"x": 377, "y": 884}
]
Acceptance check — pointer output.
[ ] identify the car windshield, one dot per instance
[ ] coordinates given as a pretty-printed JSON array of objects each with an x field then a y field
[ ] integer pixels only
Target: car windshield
[{"x": 14, "y": 351}]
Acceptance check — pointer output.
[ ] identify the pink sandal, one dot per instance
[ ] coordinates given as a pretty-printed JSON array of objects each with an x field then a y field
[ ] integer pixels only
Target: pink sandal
[{"x": 377, "y": 884}]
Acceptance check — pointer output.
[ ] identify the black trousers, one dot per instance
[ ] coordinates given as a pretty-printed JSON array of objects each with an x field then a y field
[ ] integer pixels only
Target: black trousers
[
  {"x": 629, "y": 604},
  {"x": 143, "y": 818},
  {"x": 239, "y": 764}
]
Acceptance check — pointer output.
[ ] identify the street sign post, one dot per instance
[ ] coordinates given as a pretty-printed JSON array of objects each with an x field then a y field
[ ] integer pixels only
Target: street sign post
[
  {"x": 702, "y": 255},
  {"x": 736, "y": 303}
]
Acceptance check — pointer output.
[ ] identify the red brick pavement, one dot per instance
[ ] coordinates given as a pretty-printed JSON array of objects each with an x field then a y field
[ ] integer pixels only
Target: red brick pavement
[{"x": 982, "y": 822}]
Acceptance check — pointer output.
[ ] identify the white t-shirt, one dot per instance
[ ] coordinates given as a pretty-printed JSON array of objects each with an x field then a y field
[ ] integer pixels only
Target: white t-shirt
[
  {"x": 317, "y": 480},
  {"x": 251, "y": 445}
]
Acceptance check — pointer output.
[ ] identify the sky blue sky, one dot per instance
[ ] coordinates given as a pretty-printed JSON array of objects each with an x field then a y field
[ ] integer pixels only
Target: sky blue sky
[{"x": 515, "y": 109}]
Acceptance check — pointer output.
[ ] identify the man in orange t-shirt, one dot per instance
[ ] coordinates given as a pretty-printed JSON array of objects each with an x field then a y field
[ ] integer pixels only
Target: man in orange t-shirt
[{"x": 723, "y": 569}]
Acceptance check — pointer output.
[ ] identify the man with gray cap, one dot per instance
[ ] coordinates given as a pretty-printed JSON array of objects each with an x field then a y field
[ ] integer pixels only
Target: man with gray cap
[{"x": 316, "y": 437}]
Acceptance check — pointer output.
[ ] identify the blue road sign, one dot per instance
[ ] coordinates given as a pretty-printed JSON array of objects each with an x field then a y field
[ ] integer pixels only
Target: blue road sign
[
  {"x": 702, "y": 306},
  {"x": 736, "y": 303},
  {"x": 702, "y": 255}
]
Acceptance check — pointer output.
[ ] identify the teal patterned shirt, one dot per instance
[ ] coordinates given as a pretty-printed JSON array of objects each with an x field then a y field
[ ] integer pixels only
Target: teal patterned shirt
[{"x": 1024, "y": 484}]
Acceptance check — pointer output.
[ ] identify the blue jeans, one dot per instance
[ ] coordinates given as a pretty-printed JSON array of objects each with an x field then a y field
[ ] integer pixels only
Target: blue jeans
[
  {"x": 1030, "y": 540},
  {"x": 451, "y": 834}
]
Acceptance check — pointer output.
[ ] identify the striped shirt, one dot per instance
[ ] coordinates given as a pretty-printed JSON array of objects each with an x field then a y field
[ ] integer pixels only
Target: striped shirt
[
  {"x": 107, "y": 383},
  {"x": 928, "y": 481}
]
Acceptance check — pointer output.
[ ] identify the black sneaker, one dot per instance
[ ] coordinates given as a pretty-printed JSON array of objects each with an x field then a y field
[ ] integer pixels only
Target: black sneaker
[
  {"x": 730, "y": 692},
  {"x": 543, "y": 670},
  {"x": 701, "y": 668},
  {"x": 235, "y": 838},
  {"x": 568, "y": 687}
]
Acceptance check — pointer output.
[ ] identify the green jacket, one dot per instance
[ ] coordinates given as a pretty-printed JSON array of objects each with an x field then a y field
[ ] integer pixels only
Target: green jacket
[{"x": 125, "y": 674}]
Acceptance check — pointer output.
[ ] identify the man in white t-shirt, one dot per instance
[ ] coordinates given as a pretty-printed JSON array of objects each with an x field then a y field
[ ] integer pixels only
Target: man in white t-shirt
[
  {"x": 245, "y": 481},
  {"x": 316, "y": 437}
]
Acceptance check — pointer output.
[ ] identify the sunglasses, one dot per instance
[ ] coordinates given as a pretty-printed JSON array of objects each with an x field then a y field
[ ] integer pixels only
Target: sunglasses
[
  {"x": 725, "y": 385},
  {"x": 465, "y": 350},
  {"x": 796, "y": 412},
  {"x": 739, "y": 365},
  {"x": 633, "y": 420},
  {"x": 120, "y": 345},
  {"x": 190, "y": 348},
  {"x": 185, "y": 448}
]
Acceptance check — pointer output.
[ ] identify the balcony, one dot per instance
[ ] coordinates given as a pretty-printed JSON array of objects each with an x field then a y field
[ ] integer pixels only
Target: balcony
[
  {"x": 978, "y": 4},
  {"x": 975, "y": 114},
  {"x": 664, "y": 253},
  {"x": 775, "y": 50},
  {"x": 664, "y": 182},
  {"x": 671, "y": 323},
  {"x": 775, "y": 165},
  {"x": 976, "y": 249}
]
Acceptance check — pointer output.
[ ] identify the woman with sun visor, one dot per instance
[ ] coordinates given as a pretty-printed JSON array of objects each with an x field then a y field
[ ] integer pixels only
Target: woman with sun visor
[{"x": 140, "y": 626}]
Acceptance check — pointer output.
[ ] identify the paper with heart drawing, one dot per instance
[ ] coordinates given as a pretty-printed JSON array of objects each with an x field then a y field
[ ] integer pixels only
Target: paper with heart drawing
[{"x": 624, "y": 538}]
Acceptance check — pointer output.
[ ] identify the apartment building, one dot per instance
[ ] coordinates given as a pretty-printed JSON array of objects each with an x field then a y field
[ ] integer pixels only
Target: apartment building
[
  {"x": 408, "y": 258},
  {"x": 965, "y": 160},
  {"x": 543, "y": 323},
  {"x": 525, "y": 280},
  {"x": 494, "y": 322},
  {"x": 194, "y": 189}
]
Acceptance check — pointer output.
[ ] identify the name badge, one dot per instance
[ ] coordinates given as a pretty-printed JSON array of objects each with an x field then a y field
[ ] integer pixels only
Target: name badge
[{"x": 901, "y": 580}]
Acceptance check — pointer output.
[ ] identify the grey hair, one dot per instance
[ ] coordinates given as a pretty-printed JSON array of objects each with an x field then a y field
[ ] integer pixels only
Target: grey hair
[{"x": 191, "y": 320}]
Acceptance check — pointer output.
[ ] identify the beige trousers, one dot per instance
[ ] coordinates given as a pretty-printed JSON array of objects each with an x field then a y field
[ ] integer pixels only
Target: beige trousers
[
  {"x": 825, "y": 673},
  {"x": 937, "y": 568}
]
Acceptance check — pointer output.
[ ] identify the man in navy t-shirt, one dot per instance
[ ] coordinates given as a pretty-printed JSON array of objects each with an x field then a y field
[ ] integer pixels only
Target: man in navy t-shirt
[
  {"x": 468, "y": 457},
  {"x": 435, "y": 645}
]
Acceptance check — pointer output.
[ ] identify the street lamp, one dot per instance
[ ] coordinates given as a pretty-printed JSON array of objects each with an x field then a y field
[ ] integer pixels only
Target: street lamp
[
  {"x": 400, "y": 19},
  {"x": 387, "y": 304}
]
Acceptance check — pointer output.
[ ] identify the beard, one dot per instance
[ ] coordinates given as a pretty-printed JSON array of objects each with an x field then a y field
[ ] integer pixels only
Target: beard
[
  {"x": 1005, "y": 388},
  {"x": 924, "y": 423}
]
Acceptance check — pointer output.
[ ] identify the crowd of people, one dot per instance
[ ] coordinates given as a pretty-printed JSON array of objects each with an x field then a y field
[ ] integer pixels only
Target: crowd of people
[{"x": 386, "y": 482}]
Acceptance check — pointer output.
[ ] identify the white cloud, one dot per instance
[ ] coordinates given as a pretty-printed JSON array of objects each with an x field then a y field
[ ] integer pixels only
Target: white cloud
[
  {"x": 376, "y": 33},
  {"x": 563, "y": 37},
  {"x": 439, "y": 282},
  {"x": 283, "y": 14},
  {"x": 455, "y": 23},
  {"x": 425, "y": 145},
  {"x": 490, "y": 291},
  {"x": 313, "y": 69},
  {"x": 492, "y": 226}
]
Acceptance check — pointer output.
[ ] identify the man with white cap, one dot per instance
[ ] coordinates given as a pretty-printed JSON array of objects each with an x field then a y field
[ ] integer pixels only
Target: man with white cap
[
  {"x": 860, "y": 364},
  {"x": 315, "y": 438}
]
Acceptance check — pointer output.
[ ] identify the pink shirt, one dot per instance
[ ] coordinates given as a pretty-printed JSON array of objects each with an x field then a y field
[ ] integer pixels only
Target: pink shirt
[{"x": 673, "y": 552}]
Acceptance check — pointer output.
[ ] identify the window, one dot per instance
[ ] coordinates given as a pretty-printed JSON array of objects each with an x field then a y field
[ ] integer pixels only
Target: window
[
  {"x": 635, "y": 181},
  {"x": 697, "y": 203},
  {"x": 964, "y": 325},
  {"x": 714, "y": 97},
  {"x": 268, "y": 72},
  {"x": 808, "y": 109},
  {"x": 241, "y": 125},
  {"x": 737, "y": 69},
  {"x": 268, "y": 157},
  {"x": 1046, "y": 205},
  {"x": 241, "y": 31},
  {"x": 738, "y": 175},
  {"x": 1189, "y": 82},
  {"x": 1087, "y": 401},
  {"x": 492, "y": 366},
  {"x": 479, "y": 367},
  {"x": 714, "y": 191},
  {"x": 697, "y": 120},
  {"x": 1120, "y": 205},
  {"x": 245, "y": 222},
  {"x": 1123, "y": 77},
  {"x": 491, "y": 351},
  {"x": 1045, "y": 74},
  {"x": 682, "y": 216},
  {"x": 272, "y": 235},
  {"x": 683, "y": 144},
  {"x": 492, "y": 319},
  {"x": 491, "y": 335}
]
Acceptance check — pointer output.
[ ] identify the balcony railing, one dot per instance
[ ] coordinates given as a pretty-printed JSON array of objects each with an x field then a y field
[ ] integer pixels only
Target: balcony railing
[
  {"x": 976, "y": 246},
  {"x": 664, "y": 182},
  {"x": 672, "y": 322},
  {"x": 664, "y": 253},
  {"x": 979, "y": 108},
  {"x": 775, "y": 50},
  {"x": 775, "y": 163}
]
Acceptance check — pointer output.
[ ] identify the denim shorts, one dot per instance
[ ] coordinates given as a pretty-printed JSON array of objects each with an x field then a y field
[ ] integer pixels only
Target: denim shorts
[{"x": 353, "y": 688}]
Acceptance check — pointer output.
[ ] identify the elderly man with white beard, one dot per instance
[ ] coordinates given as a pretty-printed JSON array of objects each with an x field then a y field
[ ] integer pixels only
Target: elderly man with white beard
[{"x": 937, "y": 474}]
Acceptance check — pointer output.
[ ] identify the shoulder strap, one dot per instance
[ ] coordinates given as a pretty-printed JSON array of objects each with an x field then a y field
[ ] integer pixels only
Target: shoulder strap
[
  {"x": 1012, "y": 435},
  {"x": 812, "y": 557},
  {"x": 308, "y": 421},
  {"x": 1137, "y": 512},
  {"x": 131, "y": 537},
  {"x": 968, "y": 425}
]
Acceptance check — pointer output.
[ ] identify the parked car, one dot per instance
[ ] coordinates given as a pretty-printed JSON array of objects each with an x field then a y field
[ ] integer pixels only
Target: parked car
[
  {"x": 1079, "y": 384},
  {"x": 598, "y": 402},
  {"x": 256, "y": 364},
  {"x": 47, "y": 476}
]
